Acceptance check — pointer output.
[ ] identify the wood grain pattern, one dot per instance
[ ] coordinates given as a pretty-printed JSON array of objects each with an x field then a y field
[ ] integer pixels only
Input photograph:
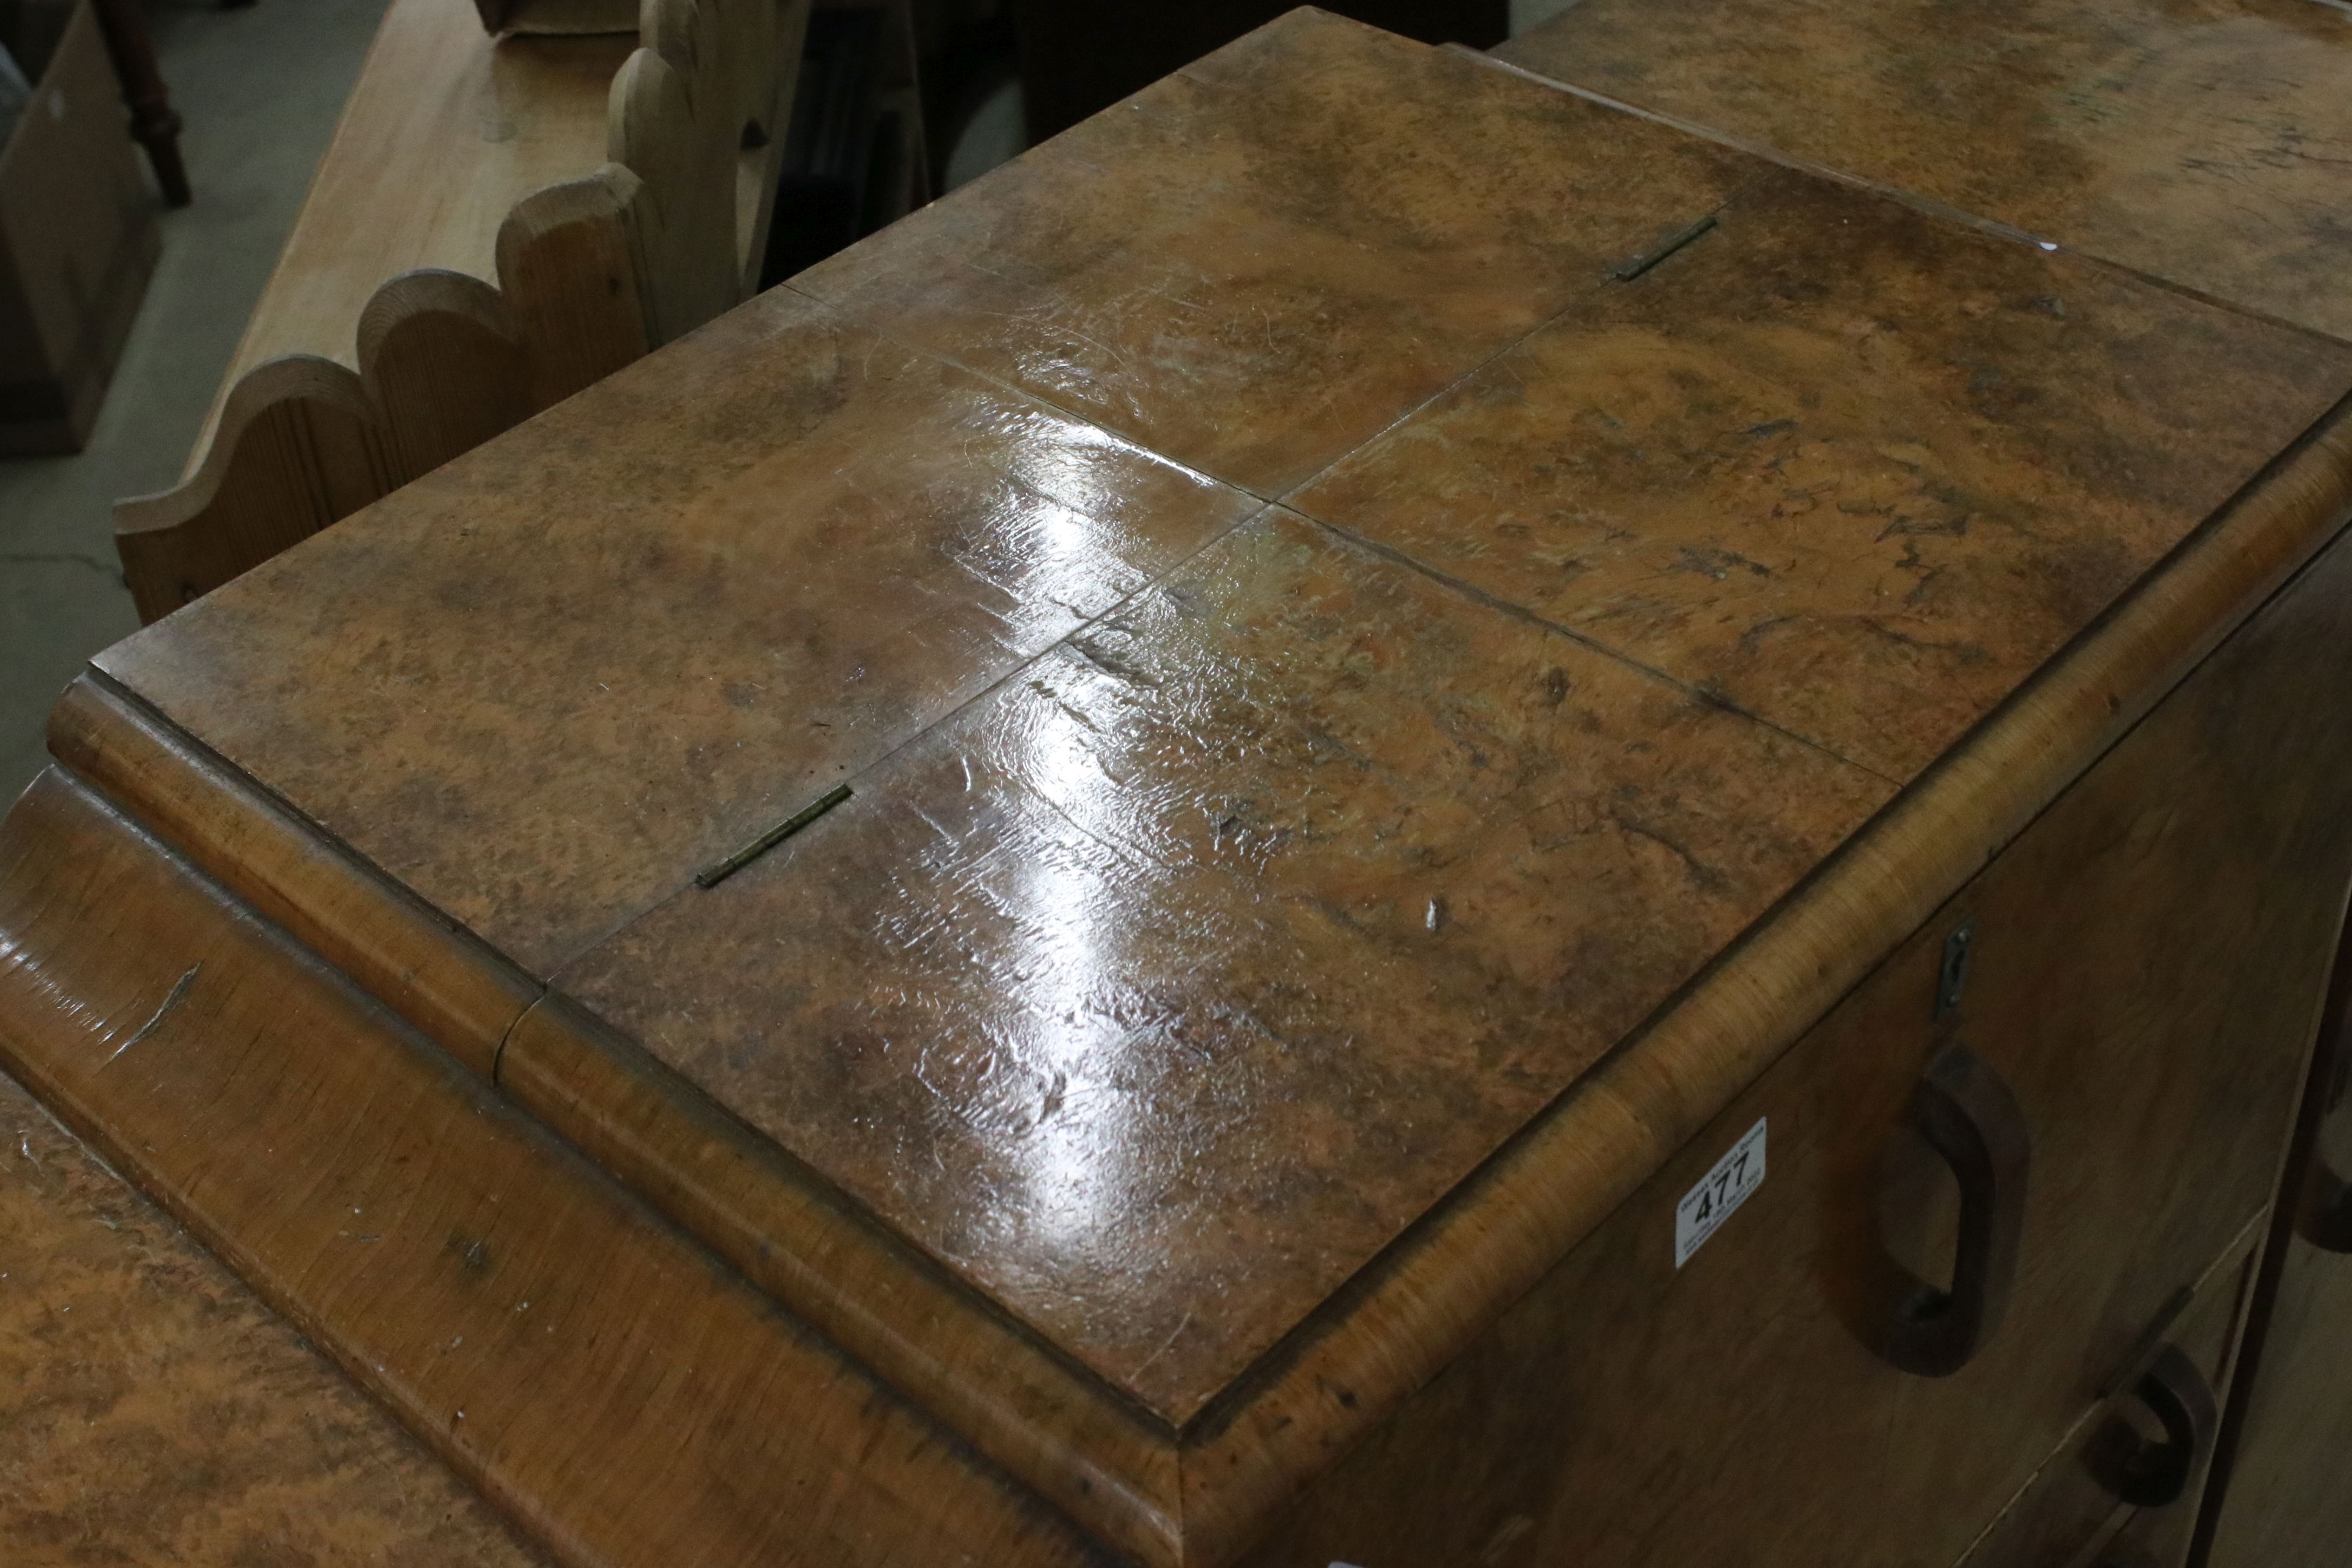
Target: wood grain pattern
[
  {"x": 1627, "y": 1412},
  {"x": 467, "y": 249},
  {"x": 1868, "y": 520},
  {"x": 1320, "y": 227},
  {"x": 1092, "y": 1224},
  {"x": 1232, "y": 1175},
  {"x": 446, "y": 361},
  {"x": 1104, "y": 1462},
  {"x": 437, "y": 976},
  {"x": 153, "y": 1410},
  {"x": 2066, "y": 1517},
  {"x": 568, "y": 273},
  {"x": 308, "y": 451},
  {"x": 444, "y": 130},
  {"x": 735, "y": 1209},
  {"x": 1430, "y": 1297},
  {"x": 2147, "y": 972},
  {"x": 1057, "y": 952},
  {"x": 443, "y": 365},
  {"x": 699, "y": 113},
  {"x": 846, "y": 516},
  {"x": 623, "y": 1396},
  {"x": 678, "y": 609},
  {"x": 2198, "y": 141}
]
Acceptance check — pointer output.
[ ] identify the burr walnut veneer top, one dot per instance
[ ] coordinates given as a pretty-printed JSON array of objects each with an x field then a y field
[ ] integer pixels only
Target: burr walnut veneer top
[
  {"x": 1322, "y": 648},
  {"x": 2206, "y": 142}
]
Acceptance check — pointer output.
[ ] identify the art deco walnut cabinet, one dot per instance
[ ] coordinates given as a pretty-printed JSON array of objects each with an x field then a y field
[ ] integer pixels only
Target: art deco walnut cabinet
[{"x": 1386, "y": 815}]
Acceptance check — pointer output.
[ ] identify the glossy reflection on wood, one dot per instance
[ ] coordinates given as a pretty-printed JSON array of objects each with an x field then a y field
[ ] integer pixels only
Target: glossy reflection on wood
[
  {"x": 1852, "y": 470},
  {"x": 667, "y": 617},
  {"x": 2202, "y": 141},
  {"x": 1260, "y": 262},
  {"x": 1259, "y": 946},
  {"x": 153, "y": 1410},
  {"x": 1172, "y": 981}
]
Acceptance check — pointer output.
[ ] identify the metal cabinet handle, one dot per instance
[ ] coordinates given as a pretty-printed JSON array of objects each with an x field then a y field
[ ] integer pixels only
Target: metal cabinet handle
[
  {"x": 1970, "y": 1118},
  {"x": 2151, "y": 1475}
]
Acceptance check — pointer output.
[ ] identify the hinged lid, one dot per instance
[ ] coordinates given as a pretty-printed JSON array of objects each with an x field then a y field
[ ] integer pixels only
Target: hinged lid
[{"x": 1337, "y": 589}]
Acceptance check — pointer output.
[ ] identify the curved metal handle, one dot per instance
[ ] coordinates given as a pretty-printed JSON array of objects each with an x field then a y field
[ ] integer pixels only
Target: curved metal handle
[
  {"x": 1970, "y": 1117},
  {"x": 2152, "y": 1475}
]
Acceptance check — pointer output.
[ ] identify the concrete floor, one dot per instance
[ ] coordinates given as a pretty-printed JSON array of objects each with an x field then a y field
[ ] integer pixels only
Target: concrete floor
[{"x": 259, "y": 88}]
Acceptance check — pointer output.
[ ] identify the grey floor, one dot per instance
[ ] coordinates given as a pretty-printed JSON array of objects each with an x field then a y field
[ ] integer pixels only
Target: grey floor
[{"x": 259, "y": 88}]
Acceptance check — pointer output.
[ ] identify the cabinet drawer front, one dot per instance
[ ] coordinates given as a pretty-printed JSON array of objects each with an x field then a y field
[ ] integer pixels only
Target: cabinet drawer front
[
  {"x": 2145, "y": 966},
  {"x": 2069, "y": 1516}
]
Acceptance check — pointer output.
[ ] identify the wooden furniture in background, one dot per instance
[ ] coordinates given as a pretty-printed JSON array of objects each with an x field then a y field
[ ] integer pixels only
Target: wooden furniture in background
[
  {"x": 855, "y": 156},
  {"x": 499, "y": 221},
  {"x": 1130, "y": 877},
  {"x": 592, "y": 1371},
  {"x": 78, "y": 238},
  {"x": 154, "y": 123},
  {"x": 1080, "y": 57}
]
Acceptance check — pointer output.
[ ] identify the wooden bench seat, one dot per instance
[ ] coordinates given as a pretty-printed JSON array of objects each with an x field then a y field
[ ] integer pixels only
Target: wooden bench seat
[{"x": 499, "y": 221}]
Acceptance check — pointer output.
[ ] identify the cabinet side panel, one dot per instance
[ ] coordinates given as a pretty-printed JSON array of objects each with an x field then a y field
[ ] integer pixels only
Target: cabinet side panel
[{"x": 2146, "y": 963}]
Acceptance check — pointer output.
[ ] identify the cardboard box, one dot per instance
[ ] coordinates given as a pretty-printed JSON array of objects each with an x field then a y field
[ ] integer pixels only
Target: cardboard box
[{"x": 78, "y": 233}]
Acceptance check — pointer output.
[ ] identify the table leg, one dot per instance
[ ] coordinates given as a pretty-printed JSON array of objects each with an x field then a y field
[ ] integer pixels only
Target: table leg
[{"x": 154, "y": 123}]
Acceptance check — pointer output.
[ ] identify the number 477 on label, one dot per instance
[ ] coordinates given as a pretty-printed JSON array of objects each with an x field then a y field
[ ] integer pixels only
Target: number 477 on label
[{"x": 1723, "y": 1189}]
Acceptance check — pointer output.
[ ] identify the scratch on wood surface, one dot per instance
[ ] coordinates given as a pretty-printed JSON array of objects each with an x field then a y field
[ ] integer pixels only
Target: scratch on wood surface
[{"x": 178, "y": 993}]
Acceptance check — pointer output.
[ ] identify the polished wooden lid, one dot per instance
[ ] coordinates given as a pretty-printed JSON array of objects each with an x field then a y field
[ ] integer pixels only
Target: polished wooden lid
[
  {"x": 2200, "y": 142},
  {"x": 1337, "y": 589}
]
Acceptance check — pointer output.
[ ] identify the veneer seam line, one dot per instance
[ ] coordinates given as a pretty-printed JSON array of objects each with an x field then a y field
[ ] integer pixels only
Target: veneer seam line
[
  {"x": 1604, "y": 280},
  {"x": 1520, "y": 612},
  {"x": 873, "y": 766},
  {"x": 2337, "y": 421},
  {"x": 1409, "y": 1320},
  {"x": 1926, "y": 205}
]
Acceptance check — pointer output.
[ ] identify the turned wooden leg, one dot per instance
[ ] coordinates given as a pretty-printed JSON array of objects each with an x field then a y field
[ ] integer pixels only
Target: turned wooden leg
[{"x": 154, "y": 123}]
